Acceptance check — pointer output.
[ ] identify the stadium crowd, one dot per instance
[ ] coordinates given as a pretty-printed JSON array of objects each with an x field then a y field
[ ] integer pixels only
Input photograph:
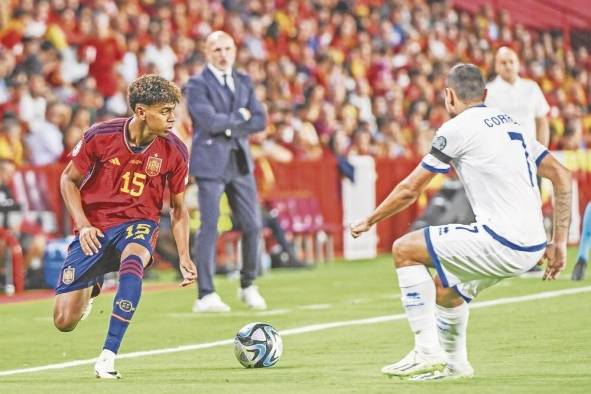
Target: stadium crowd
[{"x": 355, "y": 77}]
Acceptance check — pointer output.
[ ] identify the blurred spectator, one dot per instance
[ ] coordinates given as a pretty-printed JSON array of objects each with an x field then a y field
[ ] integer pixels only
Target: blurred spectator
[
  {"x": 264, "y": 147},
  {"x": 361, "y": 143},
  {"x": 116, "y": 105},
  {"x": 30, "y": 61},
  {"x": 103, "y": 50},
  {"x": 6, "y": 68},
  {"x": 161, "y": 54},
  {"x": 72, "y": 135},
  {"x": 129, "y": 66},
  {"x": 82, "y": 118},
  {"x": 33, "y": 99},
  {"x": 45, "y": 138},
  {"x": 11, "y": 146}
]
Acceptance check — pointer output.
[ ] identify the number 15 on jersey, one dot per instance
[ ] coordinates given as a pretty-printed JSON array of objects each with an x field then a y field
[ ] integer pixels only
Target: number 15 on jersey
[{"x": 133, "y": 184}]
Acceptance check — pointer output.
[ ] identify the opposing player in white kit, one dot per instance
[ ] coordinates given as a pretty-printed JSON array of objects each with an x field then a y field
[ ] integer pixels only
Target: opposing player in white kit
[{"x": 498, "y": 164}]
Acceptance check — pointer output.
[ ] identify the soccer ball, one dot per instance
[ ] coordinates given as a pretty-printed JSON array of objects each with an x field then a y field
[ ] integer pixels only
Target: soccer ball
[{"x": 258, "y": 345}]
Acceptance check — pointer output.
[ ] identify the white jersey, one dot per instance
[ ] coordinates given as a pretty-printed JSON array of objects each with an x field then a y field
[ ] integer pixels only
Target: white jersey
[{"x": 497, "y": 163}]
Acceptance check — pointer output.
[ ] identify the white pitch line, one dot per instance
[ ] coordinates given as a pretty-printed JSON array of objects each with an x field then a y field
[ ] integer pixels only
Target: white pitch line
[
  {"x": 315, "y": 307},
  {"x": 298, "y": 330},
  {"x": 273, "y": 312}
]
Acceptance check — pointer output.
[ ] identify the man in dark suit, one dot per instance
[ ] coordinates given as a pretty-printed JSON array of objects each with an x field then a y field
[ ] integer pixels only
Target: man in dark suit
[{"x": 224, "y": 111}]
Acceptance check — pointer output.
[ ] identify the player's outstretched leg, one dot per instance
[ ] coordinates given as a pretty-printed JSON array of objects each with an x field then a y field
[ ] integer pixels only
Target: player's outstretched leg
[
  {"x": 418, "y": 299},
  {"x": 584, "y": 245},
  {"x": 131, "y": 272}
]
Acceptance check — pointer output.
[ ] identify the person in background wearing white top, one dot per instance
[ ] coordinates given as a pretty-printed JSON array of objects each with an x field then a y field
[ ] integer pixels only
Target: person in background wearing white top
[
  {"x": 497, "y": 162},
  {"x": 161, "y": 54},
  {"x": 45, "y": 138},
  {"x": 518, "y": 97}
]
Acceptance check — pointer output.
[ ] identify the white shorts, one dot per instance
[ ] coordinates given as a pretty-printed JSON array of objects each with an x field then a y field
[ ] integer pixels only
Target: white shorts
[{"x": 474, "y": 257}]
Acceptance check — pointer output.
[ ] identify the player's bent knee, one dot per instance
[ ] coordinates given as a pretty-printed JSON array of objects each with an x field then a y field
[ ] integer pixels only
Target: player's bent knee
[
  {"x": 65, "y": 322},
  {"x": 134, "y": 249},
  {"x": 400, "y": 252}
]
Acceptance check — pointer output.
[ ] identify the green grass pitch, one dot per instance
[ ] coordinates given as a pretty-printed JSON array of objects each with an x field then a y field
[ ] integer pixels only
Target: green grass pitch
[{"x": 536, "y": 346}]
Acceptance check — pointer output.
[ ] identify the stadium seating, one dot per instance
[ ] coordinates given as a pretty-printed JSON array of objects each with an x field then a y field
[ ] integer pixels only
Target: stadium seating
[{"x": 300, "y": 216}]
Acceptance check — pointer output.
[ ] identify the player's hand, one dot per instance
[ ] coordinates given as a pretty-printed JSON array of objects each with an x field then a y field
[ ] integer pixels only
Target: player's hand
[
  {"x": 89, "y": 239},
  {"x": 555, "y": 257},
  {"x": 359, "y": 228},
  {"x": 188, "y": 271}
]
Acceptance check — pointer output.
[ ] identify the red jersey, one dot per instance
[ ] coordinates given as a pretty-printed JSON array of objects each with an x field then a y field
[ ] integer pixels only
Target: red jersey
[{"x": 121, "y": 185}]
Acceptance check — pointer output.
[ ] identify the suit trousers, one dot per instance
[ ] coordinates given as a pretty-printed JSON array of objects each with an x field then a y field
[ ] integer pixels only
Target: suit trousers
[{"x": 241, "y": 191}]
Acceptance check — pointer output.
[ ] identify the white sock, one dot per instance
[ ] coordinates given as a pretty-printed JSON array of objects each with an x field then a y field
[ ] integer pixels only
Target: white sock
[
  {"x": 452, "y": 324},
  {"x": 418, "y": 299}
]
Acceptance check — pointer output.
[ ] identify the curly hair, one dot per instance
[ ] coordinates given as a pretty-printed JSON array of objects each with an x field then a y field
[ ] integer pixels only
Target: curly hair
[{"x": 152, "y": 89}]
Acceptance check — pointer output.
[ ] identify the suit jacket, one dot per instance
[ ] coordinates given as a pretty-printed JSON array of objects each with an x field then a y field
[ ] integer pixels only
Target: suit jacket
[{"x": 212, "y": 114}]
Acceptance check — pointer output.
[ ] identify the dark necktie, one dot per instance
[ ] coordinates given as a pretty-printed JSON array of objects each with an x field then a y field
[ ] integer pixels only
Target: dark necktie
[{"x": 228, "y": 90}]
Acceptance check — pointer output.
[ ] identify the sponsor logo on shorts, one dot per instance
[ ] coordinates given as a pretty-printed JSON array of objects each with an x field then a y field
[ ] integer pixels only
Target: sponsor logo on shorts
[
  {"x": 68, "y": 275},
  {"x": 125, "y": 305}
]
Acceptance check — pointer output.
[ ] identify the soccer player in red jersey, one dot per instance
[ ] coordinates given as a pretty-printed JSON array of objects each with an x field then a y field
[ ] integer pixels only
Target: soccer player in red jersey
[{"x": 114, "y": 189}]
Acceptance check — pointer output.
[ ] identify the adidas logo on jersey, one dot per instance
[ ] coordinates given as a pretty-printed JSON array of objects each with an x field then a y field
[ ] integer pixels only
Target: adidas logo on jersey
[{"x": 115, "y": 161}]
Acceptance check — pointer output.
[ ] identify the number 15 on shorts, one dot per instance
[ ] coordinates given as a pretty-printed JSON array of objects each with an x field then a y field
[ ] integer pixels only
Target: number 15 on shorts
[{"x": 138, "y": 231}]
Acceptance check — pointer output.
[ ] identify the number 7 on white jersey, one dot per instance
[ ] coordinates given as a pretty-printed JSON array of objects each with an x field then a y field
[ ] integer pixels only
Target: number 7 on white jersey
[{"x": 516, "y": 136}]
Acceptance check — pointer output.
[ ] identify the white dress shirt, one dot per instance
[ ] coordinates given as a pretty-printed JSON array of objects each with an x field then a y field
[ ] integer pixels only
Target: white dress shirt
[
  {"x": 523, "y": 101},
  {"x": 219, "y": 75}
]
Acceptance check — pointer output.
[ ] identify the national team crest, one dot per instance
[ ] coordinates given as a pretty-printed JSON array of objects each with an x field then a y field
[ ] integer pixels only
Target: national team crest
[
  {"x": 68, "y": 275},
  {"x": 153, "y": 166}
]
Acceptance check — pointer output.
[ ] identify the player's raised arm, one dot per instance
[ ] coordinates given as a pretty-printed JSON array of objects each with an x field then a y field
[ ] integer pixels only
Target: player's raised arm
[
  {"x": 70, "y": 188},
  {"x": 180, "y": 229},
  {"x": 561, "y": 180},
  {"x": 401, "y": 197}
]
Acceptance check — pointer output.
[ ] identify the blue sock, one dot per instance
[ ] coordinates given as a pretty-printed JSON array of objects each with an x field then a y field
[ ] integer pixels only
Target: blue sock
[
  {"x": 126, "y": 301},
  {"x": 585, "y": 243}
]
